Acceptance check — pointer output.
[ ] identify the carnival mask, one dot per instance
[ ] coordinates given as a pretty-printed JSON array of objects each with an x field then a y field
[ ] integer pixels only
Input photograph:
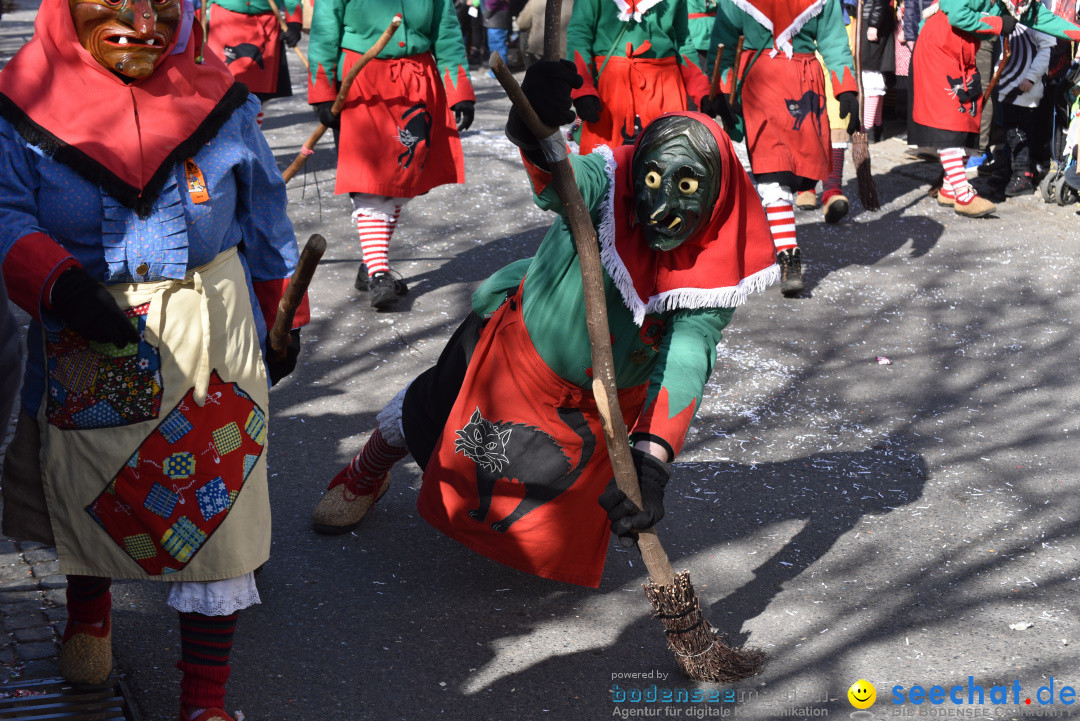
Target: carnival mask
[
  {"x": 674, "y": 189},
  {"x": 126, "y": 36}
]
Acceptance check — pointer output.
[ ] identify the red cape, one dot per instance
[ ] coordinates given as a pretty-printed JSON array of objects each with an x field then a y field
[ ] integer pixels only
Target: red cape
[
  {"x": 124, "y": 137},
  {"x": 729, "y": 257}
]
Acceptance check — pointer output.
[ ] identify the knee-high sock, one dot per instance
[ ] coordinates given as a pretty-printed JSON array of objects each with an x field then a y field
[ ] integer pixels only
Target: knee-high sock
[
  {"x": 88, "y": 601},
  {"x": 374, "y": 461},
  {"x": 871, "y": 111},
  {"x": 952, "y": 160},
  {"x": 205, "y": 645},
  {"x": 777, "y": 201},
  {"x": 375, "y": 230},
  {"x": 832, "y": 185}
]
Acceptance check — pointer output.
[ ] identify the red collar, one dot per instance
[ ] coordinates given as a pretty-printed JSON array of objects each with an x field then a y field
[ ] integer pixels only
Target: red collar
[
  {"x": 783, "y": 18},
  {"x": 125, "y": 137},
  {"x": 731, "y": 256}
]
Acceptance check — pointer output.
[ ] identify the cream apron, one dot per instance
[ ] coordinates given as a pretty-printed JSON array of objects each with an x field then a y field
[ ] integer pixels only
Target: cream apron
[{"x": 152, "y": 455}]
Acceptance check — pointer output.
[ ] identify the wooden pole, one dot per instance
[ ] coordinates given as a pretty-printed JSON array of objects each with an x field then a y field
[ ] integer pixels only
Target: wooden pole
[
  {"x": 714, "y": 85},
  {"x": 294, "y": 294},
  {"x": 339, "y": 102}
]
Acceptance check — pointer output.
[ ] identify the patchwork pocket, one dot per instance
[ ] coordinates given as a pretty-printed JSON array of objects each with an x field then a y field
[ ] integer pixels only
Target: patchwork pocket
[{"x": 97, "y": 385}]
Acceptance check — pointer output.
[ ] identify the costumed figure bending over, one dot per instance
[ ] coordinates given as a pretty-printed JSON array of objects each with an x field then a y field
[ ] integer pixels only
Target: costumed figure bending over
[
  {"x": 948, "y": 89},
  {"x": 504, "y": 426},
  {"x": 638, "y": 61},
  {"x": 143, "y": 227},
  {"x": 247, "y": 35},
  {"x": 783, "y": 102},
  {"x": 397, "y": 136}
]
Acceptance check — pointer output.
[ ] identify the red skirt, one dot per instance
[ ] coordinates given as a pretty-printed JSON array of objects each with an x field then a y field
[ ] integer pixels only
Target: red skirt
[
  {"x": 633, "y": 93},
  {"x": 783, "y": 101},
  {"x": 398, "y": 136},
  {"x": 942, "y": 69},
  {"x": 521, "y": 461},
  {"x": 250, "y": 45}
]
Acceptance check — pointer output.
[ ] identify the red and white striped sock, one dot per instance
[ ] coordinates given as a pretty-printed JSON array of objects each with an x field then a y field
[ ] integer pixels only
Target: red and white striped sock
[
  {"x": 375, "y": 232},
  {"x": 372, "y": 463},
  {"x": 259, "y": 118},
  {"x": 871, "y": 114},
  {"x": 781, "y": 215},
  {"x": 952, "y": 160}
]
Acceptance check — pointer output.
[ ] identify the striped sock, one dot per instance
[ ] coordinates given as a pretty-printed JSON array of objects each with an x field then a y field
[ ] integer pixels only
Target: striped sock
[
  {"x": 375, "y": 232},
  {"x": 871, "y": 115},
  {"x": 205, "y": 645},
  {"x": 952, "y": 160},
  {"x": 833, "y": 183},
  {"x": 88, "y": 600},
  {"x": 372, "y": 463},
  {"x": 259, "y": 118},
  {"x": 781, "y": 216}
]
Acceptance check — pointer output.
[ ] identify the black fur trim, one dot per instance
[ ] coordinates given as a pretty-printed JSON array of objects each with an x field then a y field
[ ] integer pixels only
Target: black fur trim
[{"x": 139, "y": 200}]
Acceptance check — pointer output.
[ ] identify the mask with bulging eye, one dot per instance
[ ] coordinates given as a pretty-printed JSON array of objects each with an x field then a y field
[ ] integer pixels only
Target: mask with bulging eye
[
  {"x": 674, "y": 190},
  {"x": 126, "y": 36}
]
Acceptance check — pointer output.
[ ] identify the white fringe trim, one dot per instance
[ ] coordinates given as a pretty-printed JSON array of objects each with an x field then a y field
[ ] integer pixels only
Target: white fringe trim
[
  {"x": 782, "y": 41},
  {"x": 643, "y": 7},
  {"x": 680, "y": 298}
]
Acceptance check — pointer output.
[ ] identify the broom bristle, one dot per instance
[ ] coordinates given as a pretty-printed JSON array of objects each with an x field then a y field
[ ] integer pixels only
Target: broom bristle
[
  {"x": 860, "y": 156},
  {"x": 701, "y": 654}
]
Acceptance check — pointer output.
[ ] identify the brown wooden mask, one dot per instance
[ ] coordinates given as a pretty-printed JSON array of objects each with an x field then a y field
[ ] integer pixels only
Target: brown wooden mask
[{"x": 126, "y": 36}]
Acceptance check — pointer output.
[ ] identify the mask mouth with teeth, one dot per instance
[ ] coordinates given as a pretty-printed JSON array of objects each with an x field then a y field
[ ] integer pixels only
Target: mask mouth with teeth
[
  {"x": 128, "y": 37},
  {"x": 1017, "y": 8},
  {"x": 676, "y": 170}
]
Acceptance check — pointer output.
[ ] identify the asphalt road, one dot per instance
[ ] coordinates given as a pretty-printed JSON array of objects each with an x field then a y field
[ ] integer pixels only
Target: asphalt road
[{"x": 853, "y": 518}]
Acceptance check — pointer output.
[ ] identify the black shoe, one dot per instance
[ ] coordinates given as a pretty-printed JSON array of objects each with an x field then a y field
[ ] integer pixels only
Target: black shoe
[
  {"x": 361, "y": 283},
  {"x": 1020, "y": 184},
  {"x": 790, "y": 262},
  {"x": 384, "y": 290},
  {"x": 993, "y": 165}
]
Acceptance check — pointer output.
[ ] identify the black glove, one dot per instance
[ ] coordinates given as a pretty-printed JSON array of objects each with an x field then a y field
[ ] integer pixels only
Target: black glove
[
  {"x": 326, "y": 117},
  {"x": 547, "y": 86},
  {"x": 278, "y": 369},
  {"x": 463, "y": 114},
  {"x": 292, "y": 34},
  {"x": 718, "y": 107},
  {"x": 626, "y": 518},
  {"x": 89, "y": 310},
  {"x": 1008, "y": 24},
  {"x": 849, "y": 108},
  {"x": 588, "y": 108}
]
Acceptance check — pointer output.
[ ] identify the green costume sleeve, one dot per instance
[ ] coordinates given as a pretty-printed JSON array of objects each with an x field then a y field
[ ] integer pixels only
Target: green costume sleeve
[
  {"x": 973, "y": 17},
  {"x": 832, "y": 43},
  {"x": 686, "y": 359},
  {"x": 1039, "y": 17},
  {"x": 579, "y": 42},
  {"x": 449, "y": 51},
  {"x": 727, "y": 28},
  {"x": 324, "y": 49}
]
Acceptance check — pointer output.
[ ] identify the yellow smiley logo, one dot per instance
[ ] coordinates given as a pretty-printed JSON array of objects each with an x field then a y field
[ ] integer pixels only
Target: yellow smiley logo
[{"x": 862, "y": 694}]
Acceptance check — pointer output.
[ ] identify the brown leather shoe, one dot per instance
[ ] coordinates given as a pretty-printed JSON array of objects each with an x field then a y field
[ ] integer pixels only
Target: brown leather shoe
[
  {"x": 977, "y": 207},
  {"x": 346, "y": 503},
  {"x": 86, "y": 653},
  {"x": 806, "y": 200},
  {"x": 943, "y": 199}
]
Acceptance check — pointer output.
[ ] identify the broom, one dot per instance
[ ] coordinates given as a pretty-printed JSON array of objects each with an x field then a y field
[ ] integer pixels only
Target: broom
[
  {"x": 294, "y": 294},
  {"x": 339, "y": 102},
  {"x": 700, "y": 653},
  {"x": 860, "y": 144},
  {"x": 284, "y": 27}
]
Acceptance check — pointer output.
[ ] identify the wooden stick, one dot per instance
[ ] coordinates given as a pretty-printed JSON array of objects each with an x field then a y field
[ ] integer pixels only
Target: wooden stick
[
  {"x": 735, "y": 71},
  {"x": 339, "y": 102},
  {"x": 714, "y": 85},
  {"x": 603, "y": 385},
  {"x": 284, "y": 28},
  {"x": 294, "y": 294},
  {"x": 205, "y": 20},
  {"x": 1006, "y": 53}
]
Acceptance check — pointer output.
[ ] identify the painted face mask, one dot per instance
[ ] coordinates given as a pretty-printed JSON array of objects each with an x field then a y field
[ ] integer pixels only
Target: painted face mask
[
  {"x": 126, "y": 36},
  {"x": 674, "y": 192},
  {"x": 1017, "y": 8}
]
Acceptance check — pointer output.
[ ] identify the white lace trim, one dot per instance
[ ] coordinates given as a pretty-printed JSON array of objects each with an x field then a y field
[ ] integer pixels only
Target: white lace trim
[{"x": 214, "y": 598}]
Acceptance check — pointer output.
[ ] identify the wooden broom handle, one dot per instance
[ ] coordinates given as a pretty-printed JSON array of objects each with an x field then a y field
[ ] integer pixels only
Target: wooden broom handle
[
  {"x": 714, "y": 84},
  {"x": 735, "y": 71},
  {"x": 339, "y": 102},
  {"x": 1006, "y": 52},
  {"x": 285, "y": 27},
  {"x": 584, "y": 233},
  {"x": 294, "y": 295}
]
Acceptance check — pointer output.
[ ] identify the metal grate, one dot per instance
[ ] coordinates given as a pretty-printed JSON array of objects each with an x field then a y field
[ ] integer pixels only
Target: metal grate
[{"x": 54, "y": 699}]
